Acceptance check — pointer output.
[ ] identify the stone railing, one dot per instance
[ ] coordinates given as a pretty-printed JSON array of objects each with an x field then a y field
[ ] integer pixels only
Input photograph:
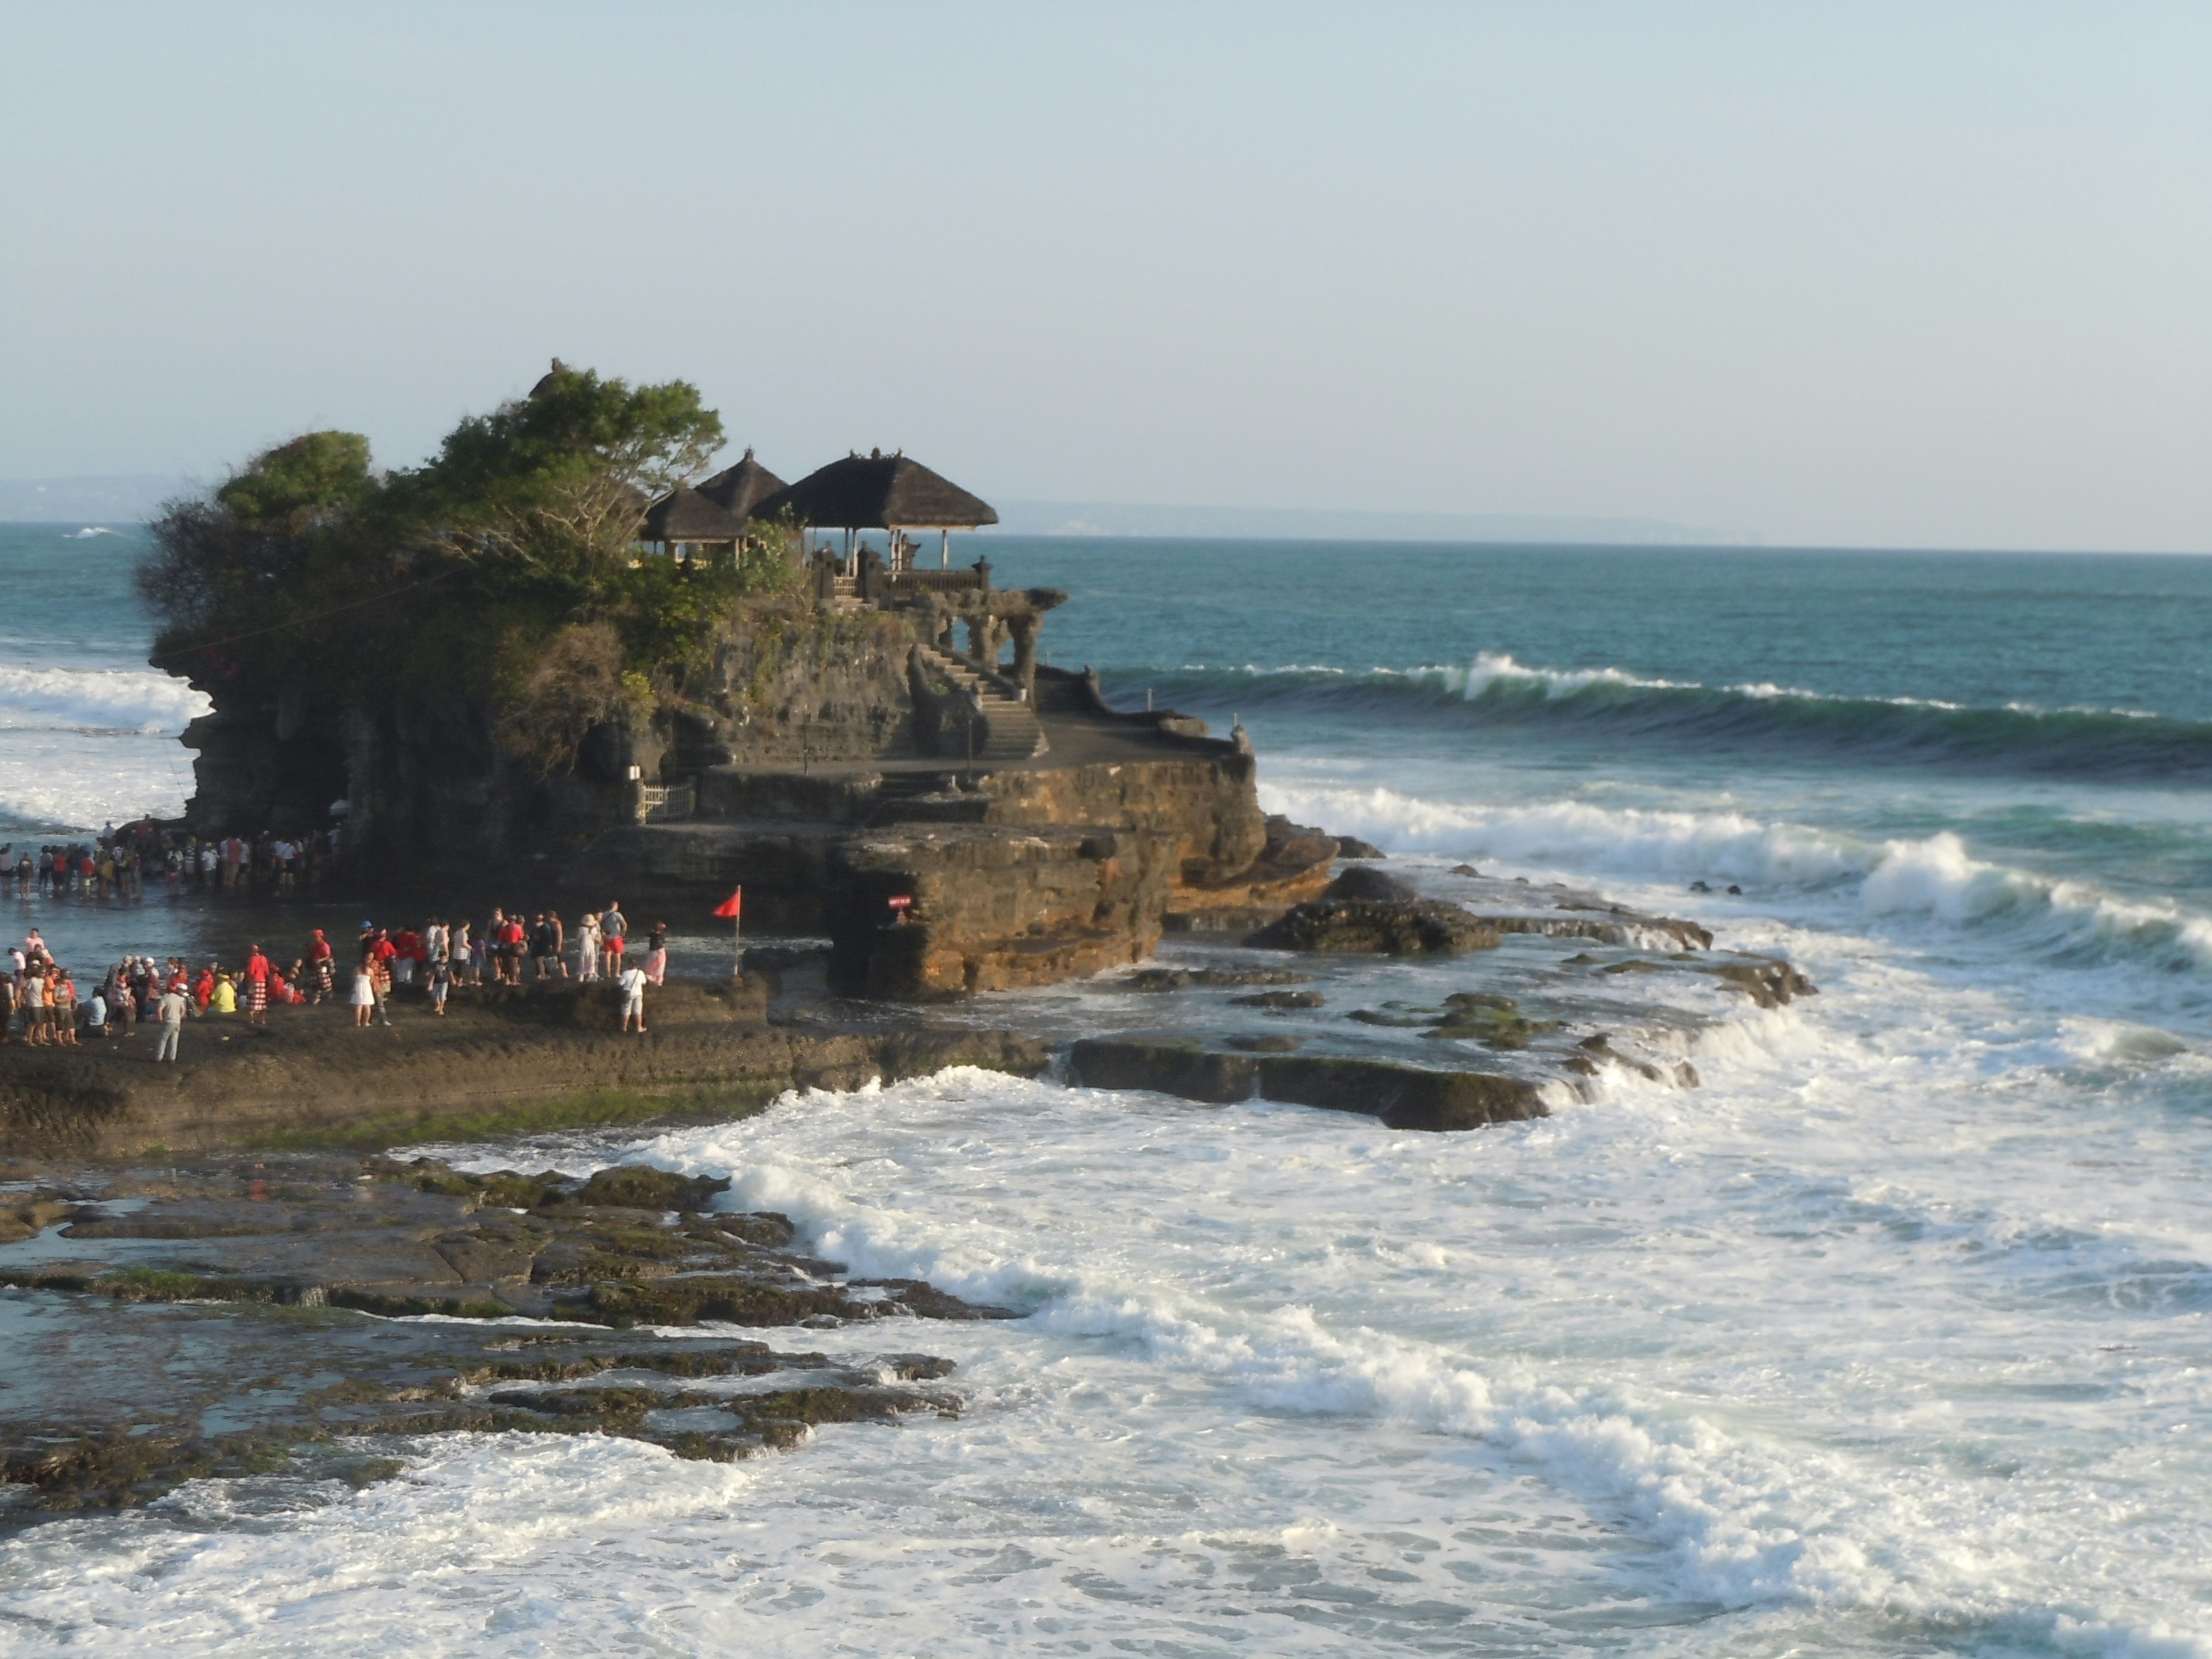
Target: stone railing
[
  {"x": 675, "y": 804},
  {"x": 898, "y": 584}
]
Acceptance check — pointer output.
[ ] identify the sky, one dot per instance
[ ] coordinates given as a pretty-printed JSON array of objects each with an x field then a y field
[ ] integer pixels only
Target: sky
[{"x": 1913, "y": 275}]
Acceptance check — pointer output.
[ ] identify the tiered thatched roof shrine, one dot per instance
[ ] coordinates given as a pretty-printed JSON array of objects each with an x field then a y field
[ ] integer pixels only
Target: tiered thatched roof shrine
[{"x": 878, "y": 491}]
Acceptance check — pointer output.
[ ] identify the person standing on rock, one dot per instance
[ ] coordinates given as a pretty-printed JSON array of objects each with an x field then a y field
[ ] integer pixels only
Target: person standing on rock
[
  {"x": 632, "y": 981},
  {"x": 37, "y": 1011},
  {"x": 64, "y": 1014},
  {"x": 364, "y": 993},
  {"x": 587, "y": 948},
  {"x": 171, "y": 1013},
  {"x": 614, "y": 931},
  {"x": 322, "y": 968}
]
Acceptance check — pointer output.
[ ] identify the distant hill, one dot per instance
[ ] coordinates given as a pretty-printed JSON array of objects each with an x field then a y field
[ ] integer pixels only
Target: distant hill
[
  {"x": 121, "y": 498},
  {"x": 1027, "y": 518}
]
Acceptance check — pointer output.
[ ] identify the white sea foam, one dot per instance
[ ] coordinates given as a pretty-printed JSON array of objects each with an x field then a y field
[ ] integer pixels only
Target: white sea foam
[
  {"x": 972, "y": 1181},
  {"x": 1934, "y": 876},
  {"x": 1492, "y": 668},
  {"x": 107, "y": 699}
]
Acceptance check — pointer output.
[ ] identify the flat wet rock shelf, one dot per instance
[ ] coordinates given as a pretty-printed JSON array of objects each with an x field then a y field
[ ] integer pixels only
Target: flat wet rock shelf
[{"x": 272, "y": 1296}]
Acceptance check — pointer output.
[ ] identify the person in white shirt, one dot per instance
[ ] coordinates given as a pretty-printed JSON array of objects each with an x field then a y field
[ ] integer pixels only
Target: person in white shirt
[
  {"x": 174, "y": 1004},
  {"x": 632, "y": 982}
]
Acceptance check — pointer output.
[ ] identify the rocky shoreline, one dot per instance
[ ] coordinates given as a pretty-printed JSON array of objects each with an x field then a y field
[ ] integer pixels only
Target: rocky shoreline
[
  {"x": 278, "y": 1302},
  {"x": 205, "y": 1225}
]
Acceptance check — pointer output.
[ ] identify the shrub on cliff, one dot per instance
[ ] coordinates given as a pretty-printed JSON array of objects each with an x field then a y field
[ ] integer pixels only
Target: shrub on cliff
[{"x": 503, "y": 568}]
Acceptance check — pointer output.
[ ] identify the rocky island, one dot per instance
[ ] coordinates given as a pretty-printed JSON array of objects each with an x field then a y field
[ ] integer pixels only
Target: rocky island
[{"x": 561, "y": 657}]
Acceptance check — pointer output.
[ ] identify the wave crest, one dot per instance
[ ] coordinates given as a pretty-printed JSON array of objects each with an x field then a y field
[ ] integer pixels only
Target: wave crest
[
  {"x": 1497, "y": 693},
  {"x": 1935, "y": 876},
  {"x": 103, "y": 699}
]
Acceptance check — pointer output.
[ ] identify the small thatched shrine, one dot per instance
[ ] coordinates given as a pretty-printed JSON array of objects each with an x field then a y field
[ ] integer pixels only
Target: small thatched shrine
[
  {"x": 686, "y": 524},
  {"x": 878, "y": 491},
  {"x": 741, "y": 487}
]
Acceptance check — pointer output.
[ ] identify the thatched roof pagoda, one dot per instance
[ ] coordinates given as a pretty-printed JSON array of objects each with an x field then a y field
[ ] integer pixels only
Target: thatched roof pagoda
[
  {"x": 878, "y": 491},
  {"x": 687, "y": 517},
  {"x": 741, "y": 487}
]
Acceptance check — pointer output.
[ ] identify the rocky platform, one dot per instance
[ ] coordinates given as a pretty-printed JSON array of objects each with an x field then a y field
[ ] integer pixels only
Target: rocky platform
[
  {"x": 536, "y": 1057},
  {"x": 1377, "y": 1026},
  {"x": 271, "y": 1298}
]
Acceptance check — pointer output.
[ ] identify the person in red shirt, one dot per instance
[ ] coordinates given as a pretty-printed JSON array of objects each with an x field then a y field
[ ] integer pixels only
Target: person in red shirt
[
  {"x": 512, "y": 934},
  {"x": 204, "y": 988},
  {"x": 258, "y": 971},
  {"x": 322, "y": 966}
]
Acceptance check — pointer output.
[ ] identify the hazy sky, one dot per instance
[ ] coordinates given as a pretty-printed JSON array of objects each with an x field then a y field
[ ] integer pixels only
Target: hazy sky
[{"x": 1921, "y": 274}]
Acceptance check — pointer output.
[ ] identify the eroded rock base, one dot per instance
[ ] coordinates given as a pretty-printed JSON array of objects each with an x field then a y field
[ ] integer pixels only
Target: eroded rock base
[{"x": 249, "y": 1317}]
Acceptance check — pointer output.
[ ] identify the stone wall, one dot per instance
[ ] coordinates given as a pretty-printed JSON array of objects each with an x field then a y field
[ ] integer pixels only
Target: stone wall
[
  {"x": 791, "y": 683},
  {"x": 992, "y": 910}
]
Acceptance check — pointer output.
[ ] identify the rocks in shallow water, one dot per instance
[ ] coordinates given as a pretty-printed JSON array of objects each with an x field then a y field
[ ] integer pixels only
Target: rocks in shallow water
[
  {"x": 629, "y": 1245},
  {"x": 245, "y": 1391},
  {"x": 1767, "y": 981},
  {"x": 639, "y": 1187},
  {"x": 26, "y": 1214},
  {"x": 216, "y": 1355},
  {"x": 1397, "y": 928},
  {"x": 198, "y": 1332},
  {"x": 1181, "y": 979},
  {"x": 1181, "y": 1069},
  {"x": 1378, "y": 885},
  {"x": 1403, "y": 1097},
  {"x": 1495, "y": 1022},
  {"x": 1465, "y": 870},
  {"x": 1279, "y": 1001},
  {"x": 1351, "y": 847}
]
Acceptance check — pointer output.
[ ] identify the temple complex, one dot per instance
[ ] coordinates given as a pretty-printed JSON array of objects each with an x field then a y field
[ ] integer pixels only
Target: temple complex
[
  {"x": 921, "y": 752},
  {"x": 868, "y": 741}
]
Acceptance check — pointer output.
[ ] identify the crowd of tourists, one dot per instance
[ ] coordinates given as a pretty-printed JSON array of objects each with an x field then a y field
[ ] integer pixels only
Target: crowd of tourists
[
  {"x": 118, "y": 863},
  {"x": 45, "y": 1004}
]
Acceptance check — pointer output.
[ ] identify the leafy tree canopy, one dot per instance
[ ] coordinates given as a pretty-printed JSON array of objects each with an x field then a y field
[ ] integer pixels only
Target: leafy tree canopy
[
  {"x": 455, "y": 575},
  {"x": 300, "y": 484}
]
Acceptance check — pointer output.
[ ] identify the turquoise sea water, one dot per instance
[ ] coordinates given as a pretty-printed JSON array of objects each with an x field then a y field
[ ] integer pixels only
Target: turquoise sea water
[{"x": 1892, "y": 1338}]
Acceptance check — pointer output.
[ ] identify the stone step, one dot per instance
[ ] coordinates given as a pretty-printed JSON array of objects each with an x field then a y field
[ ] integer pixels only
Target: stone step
[{"x": 1011, "y": 730}]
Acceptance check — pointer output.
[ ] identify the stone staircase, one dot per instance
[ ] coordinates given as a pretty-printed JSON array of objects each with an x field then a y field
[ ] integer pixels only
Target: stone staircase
[{"x": 1011, "y": 731}]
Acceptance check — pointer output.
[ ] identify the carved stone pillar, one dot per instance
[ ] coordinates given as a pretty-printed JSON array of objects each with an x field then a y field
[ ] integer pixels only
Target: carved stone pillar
[{"x": 1024, "y": 629}]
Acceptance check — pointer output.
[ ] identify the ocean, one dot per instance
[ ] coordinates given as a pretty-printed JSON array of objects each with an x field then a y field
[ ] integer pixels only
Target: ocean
[{"x": 1892, "y": 1338}]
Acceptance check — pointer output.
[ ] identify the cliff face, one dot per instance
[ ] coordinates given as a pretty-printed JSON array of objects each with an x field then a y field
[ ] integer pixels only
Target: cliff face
[
  {"x": 803, "y": 762},
  {"x": 426, "y": 779},
  {"x": 793, "y": 685}
]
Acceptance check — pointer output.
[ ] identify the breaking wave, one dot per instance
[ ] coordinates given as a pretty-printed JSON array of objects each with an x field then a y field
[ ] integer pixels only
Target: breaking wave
[
  {"x": 1496, "y": 693},
  {"x": 1934, "y": 876},
  {"x": 99, "y": 699}
]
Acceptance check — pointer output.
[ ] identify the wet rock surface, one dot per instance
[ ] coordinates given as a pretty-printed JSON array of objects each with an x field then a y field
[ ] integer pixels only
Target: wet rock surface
[
  {"x": 1403, "y": 1097},
  {"x": 501, "y": 1059},
  {"x": 270, "y": 1298},
  {"x": 1386, "y": 927}
]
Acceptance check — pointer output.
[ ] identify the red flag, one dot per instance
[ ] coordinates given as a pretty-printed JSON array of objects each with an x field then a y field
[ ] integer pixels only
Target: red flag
[{"x": 728, "y": 907}]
